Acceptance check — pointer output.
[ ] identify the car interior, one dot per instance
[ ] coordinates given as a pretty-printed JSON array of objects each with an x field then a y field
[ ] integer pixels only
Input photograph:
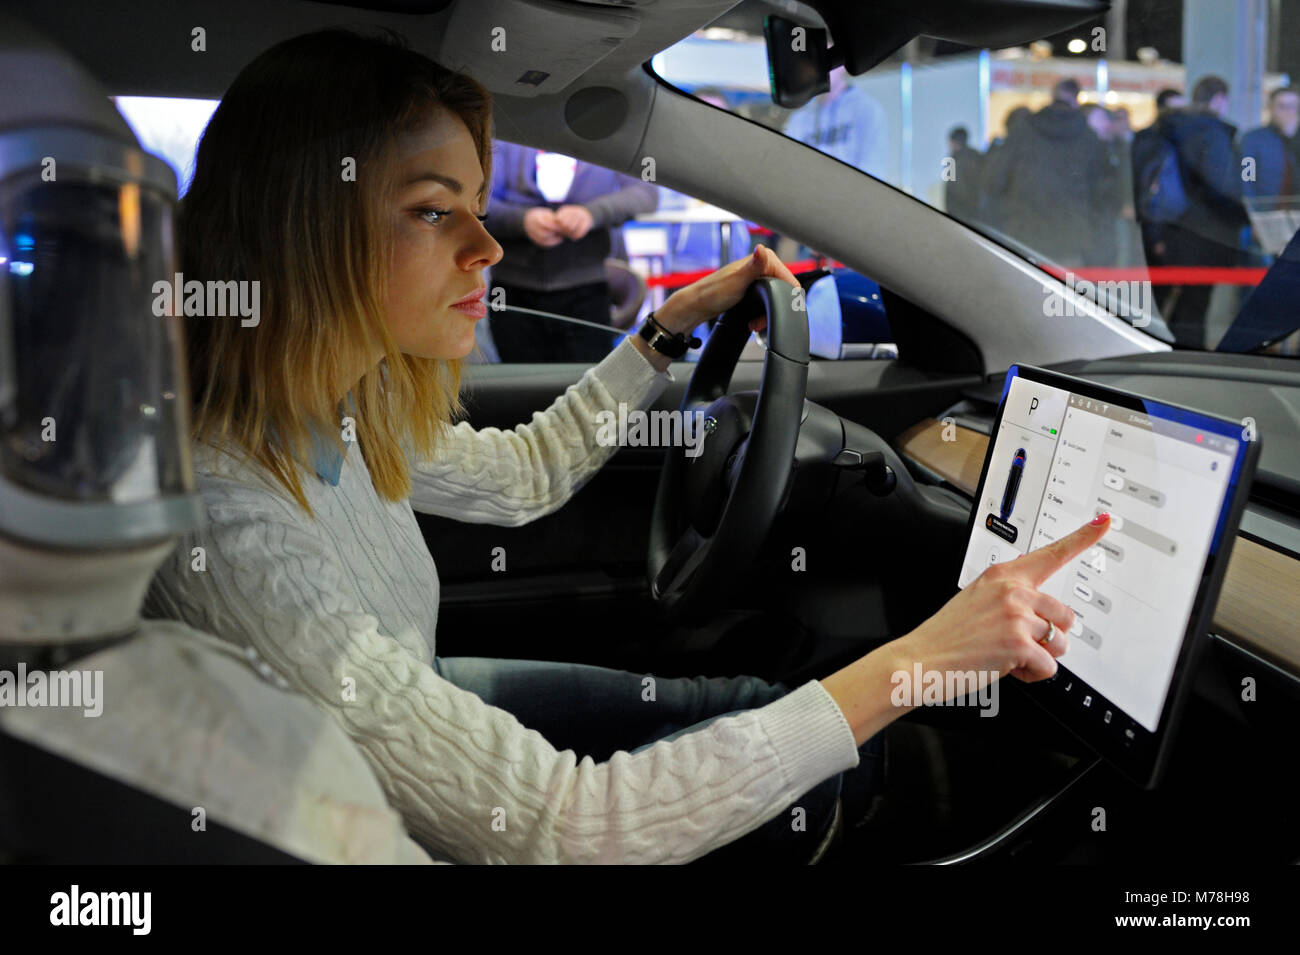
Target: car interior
[{"x": 880, "y": 532}]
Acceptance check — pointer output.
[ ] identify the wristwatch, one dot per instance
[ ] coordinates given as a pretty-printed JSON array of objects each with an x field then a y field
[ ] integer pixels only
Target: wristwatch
[{"x": 664, "y": 341}]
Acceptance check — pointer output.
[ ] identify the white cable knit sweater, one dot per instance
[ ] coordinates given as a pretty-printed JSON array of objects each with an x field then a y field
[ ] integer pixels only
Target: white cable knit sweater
[{"x": 345, "y": 608}]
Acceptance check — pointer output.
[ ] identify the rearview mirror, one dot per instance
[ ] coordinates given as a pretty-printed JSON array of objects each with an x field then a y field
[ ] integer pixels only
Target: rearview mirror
[{"x": 799, "y": 62}]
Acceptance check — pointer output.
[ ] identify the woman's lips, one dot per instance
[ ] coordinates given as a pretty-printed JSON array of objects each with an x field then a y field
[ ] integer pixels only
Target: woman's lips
[
  {"x": 472, "y": 304},
  {"x": 472, "y": 309}
]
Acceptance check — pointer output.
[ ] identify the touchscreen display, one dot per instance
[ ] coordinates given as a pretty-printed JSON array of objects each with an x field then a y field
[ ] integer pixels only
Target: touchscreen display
[{"x": 1058, "y": 460}]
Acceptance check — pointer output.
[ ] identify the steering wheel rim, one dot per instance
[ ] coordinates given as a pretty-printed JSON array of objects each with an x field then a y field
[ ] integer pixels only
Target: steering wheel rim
[{"x": 702, "y": 540}]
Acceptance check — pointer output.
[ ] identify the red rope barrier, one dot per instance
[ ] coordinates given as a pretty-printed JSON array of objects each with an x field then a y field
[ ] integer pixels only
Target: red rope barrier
[
  {"x": 1164, "y": 274},
  {"x": 678, "y": 279},
  {"x": 1156, "y": 275}
]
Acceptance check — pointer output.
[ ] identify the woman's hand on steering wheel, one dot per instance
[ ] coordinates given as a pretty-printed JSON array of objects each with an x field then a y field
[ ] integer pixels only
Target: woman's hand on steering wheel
[{"x": 720, "y": 290}]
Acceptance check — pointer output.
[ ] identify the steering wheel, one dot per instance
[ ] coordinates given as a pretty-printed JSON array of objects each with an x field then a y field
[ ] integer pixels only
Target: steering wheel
[{"x": 713, "y": 510}]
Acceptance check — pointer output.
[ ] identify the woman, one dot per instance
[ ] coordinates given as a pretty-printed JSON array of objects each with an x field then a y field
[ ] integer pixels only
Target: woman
[{"x": 349, "y": 176}]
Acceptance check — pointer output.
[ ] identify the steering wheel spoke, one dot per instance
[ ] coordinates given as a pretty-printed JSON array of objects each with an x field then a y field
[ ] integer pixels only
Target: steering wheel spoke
[{"x": 683, "y": 560}]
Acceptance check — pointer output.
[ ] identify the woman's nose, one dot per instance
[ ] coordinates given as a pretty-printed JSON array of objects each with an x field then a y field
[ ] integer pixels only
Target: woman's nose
[{"x": 483, "y": 248}]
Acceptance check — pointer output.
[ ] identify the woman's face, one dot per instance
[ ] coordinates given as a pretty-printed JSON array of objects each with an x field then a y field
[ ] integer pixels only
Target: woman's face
[{"x": 440, "y": 247}]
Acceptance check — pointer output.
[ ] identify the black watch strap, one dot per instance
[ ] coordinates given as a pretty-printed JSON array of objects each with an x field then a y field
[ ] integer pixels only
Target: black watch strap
[{"x": 666, "y": 342}]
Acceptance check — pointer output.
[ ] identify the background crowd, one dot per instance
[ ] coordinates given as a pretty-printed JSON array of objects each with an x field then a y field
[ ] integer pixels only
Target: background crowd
[{"x": 1075, "y": 185}]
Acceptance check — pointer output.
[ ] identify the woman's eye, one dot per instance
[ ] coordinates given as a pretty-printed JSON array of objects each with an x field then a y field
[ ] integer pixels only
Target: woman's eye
[
  {"x": 428, "y": 215},
  {"x": 432, "y": 216}
]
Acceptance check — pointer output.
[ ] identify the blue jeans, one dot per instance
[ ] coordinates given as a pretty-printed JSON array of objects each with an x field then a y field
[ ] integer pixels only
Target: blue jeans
[{"x": 597, "y": 711}]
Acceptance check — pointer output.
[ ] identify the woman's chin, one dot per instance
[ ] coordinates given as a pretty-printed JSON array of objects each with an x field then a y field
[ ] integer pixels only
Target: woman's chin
[
  {"x": 444, "y": 350},
  {"x": 464, "y": 348},
  {"x": 455, "y": 346}
]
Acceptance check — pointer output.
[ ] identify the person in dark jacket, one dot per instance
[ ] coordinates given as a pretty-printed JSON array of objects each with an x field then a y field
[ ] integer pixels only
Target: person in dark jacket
[
  {"x": 1112, "y": 191},
  {"x": 1273, "y": 150},
  {"x": 1275, "y": 147},
  {"x": 1144, "y": 149},
  {"x": 992, "y": 209},
  {"x": 962, "y": 192},
  {"x": 1128, "y": 241},
  {"x": 1049, "y": 178},
  {"x": 1208, "y": 233},
  {"x": 554, "y": 217}
]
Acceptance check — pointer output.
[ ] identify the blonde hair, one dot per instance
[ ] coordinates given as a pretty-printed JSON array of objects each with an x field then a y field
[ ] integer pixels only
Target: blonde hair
[{"x": 270, "y": 202}]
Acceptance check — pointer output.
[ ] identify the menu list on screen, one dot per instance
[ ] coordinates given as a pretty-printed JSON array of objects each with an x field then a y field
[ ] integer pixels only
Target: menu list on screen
[{"x": 1058, "y": 460}]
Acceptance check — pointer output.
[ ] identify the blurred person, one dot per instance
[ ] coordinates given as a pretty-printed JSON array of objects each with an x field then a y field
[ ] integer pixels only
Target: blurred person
[
  {"x": 992, "y": 210},
  {"x": 1275, "y": 148},
  {"x": 1050, "y": 179},
  {"x": 1110, "y": 200},
  {"x": 1098, "y": 120},
  {"x": 1128, "y": 237},
  {"x": 1014, "y": 118},
  {"x": 554, "y": 216},
  {"x": 962, "y": 191},
  {"x": 1144, "y": 150},
  {"x": 1114, "y": 189},
  {"x": 844, "y": 122},
  {"x": 1194, "y": 164},
  {"x": 1170, "y": 98},
  {"x": 1122, "y": 124}
]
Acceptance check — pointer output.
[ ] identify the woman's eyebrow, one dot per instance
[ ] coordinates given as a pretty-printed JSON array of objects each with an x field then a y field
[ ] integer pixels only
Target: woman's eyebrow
[{"x": 453, "y": 184}]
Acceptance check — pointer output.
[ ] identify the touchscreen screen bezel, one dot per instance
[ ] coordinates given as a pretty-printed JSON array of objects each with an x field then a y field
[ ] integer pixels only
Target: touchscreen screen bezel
[{"x": 1141, "y": 755}]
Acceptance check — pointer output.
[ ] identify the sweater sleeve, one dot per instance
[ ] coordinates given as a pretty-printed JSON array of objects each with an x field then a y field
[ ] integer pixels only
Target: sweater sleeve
[
  {"x": 632, "y": 198},
  {"x": 467, "y": 777},
  {"x": 509, "y": 478},
  {"x": 505, "y": 218}
]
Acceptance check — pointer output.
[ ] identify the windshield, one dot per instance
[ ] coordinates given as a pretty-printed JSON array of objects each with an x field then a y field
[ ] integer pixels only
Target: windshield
[{"x": 1148, "y": 158}]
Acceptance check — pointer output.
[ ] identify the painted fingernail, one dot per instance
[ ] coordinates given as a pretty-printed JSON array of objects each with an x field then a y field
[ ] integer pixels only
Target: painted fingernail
[{"x": 1101, "y": 518}]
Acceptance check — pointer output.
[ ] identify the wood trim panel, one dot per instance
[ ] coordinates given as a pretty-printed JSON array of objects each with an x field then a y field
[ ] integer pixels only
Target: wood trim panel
[
  {"x": 957, "y": 461},
  {"x": 1259, "y": 604}
]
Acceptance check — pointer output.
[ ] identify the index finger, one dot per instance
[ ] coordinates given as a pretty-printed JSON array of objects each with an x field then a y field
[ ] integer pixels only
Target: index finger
[
  {"x": 1040, "y": 564},
  {"x": 771, "y": 264}
]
